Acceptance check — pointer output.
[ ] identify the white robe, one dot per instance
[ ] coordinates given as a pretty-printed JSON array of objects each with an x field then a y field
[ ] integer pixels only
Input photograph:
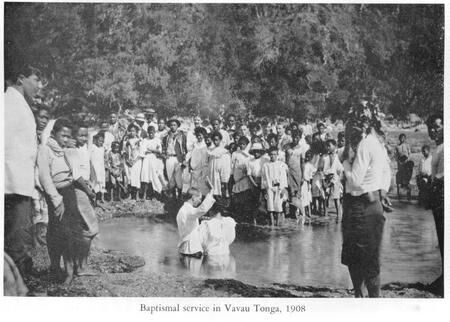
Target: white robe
[
  {"x": 188, "y": 225},
  {"x": 217, "y": 234},
  {"x": 152, "y": 167},
  {"x": 274, "y": 181},
  {"x": 98, "y": 164}
]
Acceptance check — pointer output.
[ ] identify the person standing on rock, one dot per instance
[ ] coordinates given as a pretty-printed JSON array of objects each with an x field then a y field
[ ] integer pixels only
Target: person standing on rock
[{"x": 367, "y": 180}]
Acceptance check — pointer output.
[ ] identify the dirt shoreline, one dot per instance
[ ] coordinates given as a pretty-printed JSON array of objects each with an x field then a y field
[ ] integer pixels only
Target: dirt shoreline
[{"x": 121, "y": 275}]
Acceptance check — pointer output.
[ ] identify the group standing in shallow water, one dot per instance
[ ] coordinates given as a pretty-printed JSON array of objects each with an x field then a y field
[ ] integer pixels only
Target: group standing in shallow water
[{"x": 261, "y": 171}]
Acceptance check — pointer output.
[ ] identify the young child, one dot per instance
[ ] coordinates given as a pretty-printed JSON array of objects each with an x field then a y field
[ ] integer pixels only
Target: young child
[
  {"x": 308, "y": 173},
  {"x": 133, "y": 160},
  {"x": 254, "y": 169},
  {"x": 333, "y": 170},
  {"x": 274, "y": 183},
  {"x": 97, "y": 155},
  {"x": 219, "y": 166},
  {"x": 341, "y": 145},
  {"x": 152, "y": 167},
  {"x": 423, "y": 177},
  {"x": 115, "y": 165}
]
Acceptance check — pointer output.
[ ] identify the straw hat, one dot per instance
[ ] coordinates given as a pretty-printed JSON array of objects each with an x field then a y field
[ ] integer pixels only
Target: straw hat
[{"x": 140, "y": 117}]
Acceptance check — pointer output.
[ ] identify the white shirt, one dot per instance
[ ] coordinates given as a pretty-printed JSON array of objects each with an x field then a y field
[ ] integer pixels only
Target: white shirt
[
  {"x": 187, "y": 222},
  {"x": 437, "y": 165},
  {"x": 20, "y": 144},
  {"x": 425, "y": 166},
  {"x": 217, "y": 234},
  {"x": 370, "y": 170}
]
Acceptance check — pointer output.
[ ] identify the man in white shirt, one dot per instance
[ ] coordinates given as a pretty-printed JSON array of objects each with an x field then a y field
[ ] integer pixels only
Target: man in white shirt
[
  {"x": 20, "y": 160},
  {"x": 190, "y": 242},
  {"x": 435, "y": 125},
  {"x": 367, "y": 179}
]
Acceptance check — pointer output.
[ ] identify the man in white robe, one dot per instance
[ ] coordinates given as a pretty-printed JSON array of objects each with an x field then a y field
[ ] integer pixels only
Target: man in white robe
[{"x": 190, "y": 242}]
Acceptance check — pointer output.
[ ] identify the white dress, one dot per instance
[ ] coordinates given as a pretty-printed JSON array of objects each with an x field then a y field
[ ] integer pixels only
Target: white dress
[
  {"x": 334, "y": 167},
  {"x": 152, "y": 167},
  {"x": 98, "y": 164},
  {"x": 305, "y": 193},
  {"x": 274, "y": 181},
  {"x": 217, "y": 234},
  {"x": 219, "y": 168},
  {"x": 134, "y": 154}
]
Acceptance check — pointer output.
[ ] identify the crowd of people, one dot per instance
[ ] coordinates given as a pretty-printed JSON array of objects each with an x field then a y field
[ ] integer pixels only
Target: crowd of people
[{"x": 56, "y": 170}]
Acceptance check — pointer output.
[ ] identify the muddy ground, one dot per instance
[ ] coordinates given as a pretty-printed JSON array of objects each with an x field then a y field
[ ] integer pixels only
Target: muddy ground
[{"x": 120, "y": 274}]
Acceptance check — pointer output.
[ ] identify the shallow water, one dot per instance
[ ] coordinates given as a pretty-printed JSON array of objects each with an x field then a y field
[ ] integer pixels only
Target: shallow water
[{"x": 308, "y": 255}]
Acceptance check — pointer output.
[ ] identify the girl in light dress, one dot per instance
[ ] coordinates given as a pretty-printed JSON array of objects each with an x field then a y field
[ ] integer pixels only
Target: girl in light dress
[
  {"x": 152, "y": 174},
  {"x": 133, "y": 160},
  {"x": 274, "y": 183},
  {"x": 97, "y": 155},
  {"x": 308, "y": 173},
  {"x": 219, "y": 166}
]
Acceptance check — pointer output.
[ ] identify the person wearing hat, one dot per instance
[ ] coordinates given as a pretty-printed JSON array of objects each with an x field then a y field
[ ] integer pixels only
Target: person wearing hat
[
  {"x": 174, "y": 146},
  {"x": 149, "y": 118},
  {"x": 367, "y": 180},
  {"x": 254, "y": 169},
  {"x": 140, "y": 120}
]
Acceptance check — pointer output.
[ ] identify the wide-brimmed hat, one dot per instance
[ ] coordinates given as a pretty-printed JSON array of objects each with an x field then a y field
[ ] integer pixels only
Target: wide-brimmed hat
[
  {"x": 174, "y": 120},
  {"x": 140, "y": 117},
  {"x": 149, "y": 111},
  {"x": 257, "y": 147}
]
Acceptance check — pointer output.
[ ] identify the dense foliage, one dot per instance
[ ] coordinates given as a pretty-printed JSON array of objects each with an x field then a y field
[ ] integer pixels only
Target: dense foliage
[{"x": 285, "y": 59}]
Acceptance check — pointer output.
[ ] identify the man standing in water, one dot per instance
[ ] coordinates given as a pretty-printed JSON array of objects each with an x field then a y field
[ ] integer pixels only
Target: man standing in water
[
  {"x": 367, "y": 180},
  {"x": 190, "y": 243},
  {"x": 435, "y": 124}
]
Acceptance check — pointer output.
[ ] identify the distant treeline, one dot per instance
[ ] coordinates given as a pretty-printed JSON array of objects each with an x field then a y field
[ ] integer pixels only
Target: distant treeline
[{"x": 285, "y": 59}]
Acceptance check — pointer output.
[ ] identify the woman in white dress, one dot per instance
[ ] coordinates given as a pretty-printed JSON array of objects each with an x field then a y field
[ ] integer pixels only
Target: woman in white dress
[
  {"x": 97, "y": 155},
  {"x": 152, "y": 167},
  {"x": 133, "y": 163}
]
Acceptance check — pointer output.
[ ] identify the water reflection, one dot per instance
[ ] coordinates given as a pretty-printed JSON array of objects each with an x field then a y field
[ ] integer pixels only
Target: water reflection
[{"x": 305, "y": 256}]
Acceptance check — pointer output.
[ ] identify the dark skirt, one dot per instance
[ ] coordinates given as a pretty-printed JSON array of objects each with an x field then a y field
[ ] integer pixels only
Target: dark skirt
[
  {"x": 78, "y": 223},
  {"x": 362, "y": 231}
]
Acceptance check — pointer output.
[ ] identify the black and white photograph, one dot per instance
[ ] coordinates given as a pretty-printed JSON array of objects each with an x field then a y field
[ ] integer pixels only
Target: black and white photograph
[{"x": 223, "y": 150}]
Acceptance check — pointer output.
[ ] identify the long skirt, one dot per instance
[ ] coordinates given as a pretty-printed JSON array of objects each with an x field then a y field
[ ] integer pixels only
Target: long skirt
[
  {"x": 274, "y": 201},
  {"x": 362, "y": 231},
  {"x": 78, "y": 223},
  {"x": 134, "y": 174}
]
